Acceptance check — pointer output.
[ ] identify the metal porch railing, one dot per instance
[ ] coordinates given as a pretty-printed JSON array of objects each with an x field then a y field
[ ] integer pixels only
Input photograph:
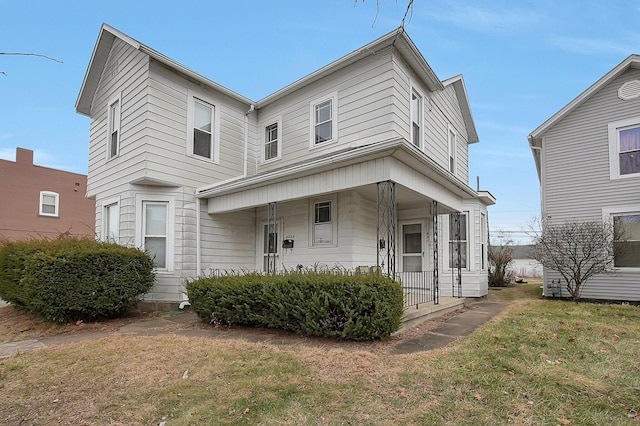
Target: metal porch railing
[{"x": 417, "y": 287}]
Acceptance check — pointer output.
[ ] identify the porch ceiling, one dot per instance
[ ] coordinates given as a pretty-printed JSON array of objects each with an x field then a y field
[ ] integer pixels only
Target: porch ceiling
[{"x": 418, "y": 180}]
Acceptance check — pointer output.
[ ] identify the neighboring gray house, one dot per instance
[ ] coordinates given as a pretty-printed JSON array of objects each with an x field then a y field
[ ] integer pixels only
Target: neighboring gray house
[
  {"x": 363, "y": 163},
  {"x": 588, "y": 161}
]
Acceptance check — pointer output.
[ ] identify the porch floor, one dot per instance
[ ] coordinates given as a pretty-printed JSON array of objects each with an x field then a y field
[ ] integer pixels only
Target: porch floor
[{"x": 427, "y": 311}]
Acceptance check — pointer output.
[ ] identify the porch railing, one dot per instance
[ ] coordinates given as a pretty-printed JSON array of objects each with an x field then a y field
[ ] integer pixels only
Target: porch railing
[{"x": 417, "y": 287}]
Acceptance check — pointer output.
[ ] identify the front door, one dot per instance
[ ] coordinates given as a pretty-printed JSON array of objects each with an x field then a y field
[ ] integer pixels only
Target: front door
[{"x": 412, "y": 247}]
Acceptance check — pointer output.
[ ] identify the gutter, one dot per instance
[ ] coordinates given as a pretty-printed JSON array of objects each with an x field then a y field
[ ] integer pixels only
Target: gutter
[{"x": 392, "y": 145}]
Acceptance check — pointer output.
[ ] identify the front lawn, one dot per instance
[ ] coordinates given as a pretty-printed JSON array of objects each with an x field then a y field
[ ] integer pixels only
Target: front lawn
[{"x": 539, "y": 362}]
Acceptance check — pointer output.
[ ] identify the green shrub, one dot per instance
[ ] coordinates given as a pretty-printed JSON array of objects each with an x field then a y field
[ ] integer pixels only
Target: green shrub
[
  {"x": 71, "y": 279},
  {"x": 363, "y": 307}
]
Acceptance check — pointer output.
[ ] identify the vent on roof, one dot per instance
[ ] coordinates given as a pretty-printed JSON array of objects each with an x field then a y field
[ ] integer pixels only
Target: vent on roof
[{"x": 629, "y": 90}]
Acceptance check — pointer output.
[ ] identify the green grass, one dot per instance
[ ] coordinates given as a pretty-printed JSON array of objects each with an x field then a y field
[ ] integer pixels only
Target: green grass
[{"x": 539, "y": 362}]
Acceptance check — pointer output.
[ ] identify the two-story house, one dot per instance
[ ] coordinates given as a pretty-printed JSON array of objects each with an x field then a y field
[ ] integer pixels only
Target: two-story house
[
  {"x": 41, "y": 202},
  {"x": 588, "y": 161},
  {"x": 363, "y": 163}
]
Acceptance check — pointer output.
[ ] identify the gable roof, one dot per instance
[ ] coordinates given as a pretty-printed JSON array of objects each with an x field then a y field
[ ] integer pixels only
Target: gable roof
[
  {"x": 463, "y": 100},
  {"x": 535, "y": 137},
  {"x": 99, "y": 58},
  {"x": 398, "y": 39}
]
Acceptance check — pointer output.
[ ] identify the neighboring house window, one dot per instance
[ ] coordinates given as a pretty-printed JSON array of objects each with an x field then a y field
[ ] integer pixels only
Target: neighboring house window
[
  {"x": 629, "y": 150},
  {"x": 324, "y": 124},
  {"x": 113, "y": 145},
  {"x": 416, "y": 119},
  {"x": 324, "y": 225},
  {"x": 624, "y": 148},
  {"x": 453, "y": 242},
  {"x": 627, "y": 248},
  {"x": 155, "y": 228},
  {"x": 272, "y": 142},
  {"x": 49, "y": 204},
  {"x": 111, "y": 221},
  {"x": 452, "y": 149},
  {"x": 202, "y": 129}
]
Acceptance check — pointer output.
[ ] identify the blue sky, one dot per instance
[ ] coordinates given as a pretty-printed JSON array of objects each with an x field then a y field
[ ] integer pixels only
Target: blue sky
[{"x": 521, "y": 60}]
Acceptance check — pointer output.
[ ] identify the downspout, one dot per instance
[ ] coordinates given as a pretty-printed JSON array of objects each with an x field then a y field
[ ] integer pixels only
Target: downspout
[{"x": 252, "y": 108}]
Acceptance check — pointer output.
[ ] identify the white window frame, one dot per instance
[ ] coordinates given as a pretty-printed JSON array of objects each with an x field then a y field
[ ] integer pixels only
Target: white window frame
[
  {"x": 614, "y": 147},
  {"x": 264, "y": 125},
  {"x": 607, "y": 216},
  {"x": 334, "y": 222},
  {"x": 452, "y": 143},
  {"x": 415, "y": 92},
  {"x": 193, "y": 98},
  {"x": 56, "y": 196},
  {"x": 114, "y": 123},
  {"x": 333, "y": 97},
  {"x": 450, "y": 240},
  {"x": 141, "y": 200},
  {"x": 106, "y": 206}
]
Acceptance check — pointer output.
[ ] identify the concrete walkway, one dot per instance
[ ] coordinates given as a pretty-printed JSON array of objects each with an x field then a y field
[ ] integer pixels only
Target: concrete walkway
[{"x": 460, "y": 323}]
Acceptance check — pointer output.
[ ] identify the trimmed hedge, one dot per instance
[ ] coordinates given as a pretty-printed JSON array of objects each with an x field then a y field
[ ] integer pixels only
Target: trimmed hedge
[
  {"x": 359, "y": 307},
  {"x": 70, "y": 279}
]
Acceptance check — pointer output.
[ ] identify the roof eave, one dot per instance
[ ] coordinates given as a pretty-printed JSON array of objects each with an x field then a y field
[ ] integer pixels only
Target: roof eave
[
  {"x": 397, "y": 38},
  {"x": 632, "y": 61},
  {"x": 463, "y": 99}
]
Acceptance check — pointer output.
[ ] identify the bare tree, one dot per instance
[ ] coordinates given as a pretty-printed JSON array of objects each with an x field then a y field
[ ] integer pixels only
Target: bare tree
[
  {"x": 577, "y": 250},
  {"x": 28, "y": 54},
  {"x": 500, "y": 260}
]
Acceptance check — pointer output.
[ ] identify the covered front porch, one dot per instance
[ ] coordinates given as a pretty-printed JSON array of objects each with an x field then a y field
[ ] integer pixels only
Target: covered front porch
[{"x": 374, "y": 210}]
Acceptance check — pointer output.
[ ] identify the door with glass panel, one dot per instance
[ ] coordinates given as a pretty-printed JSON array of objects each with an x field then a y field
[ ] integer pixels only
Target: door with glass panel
[{"x": 412, "y": 247}]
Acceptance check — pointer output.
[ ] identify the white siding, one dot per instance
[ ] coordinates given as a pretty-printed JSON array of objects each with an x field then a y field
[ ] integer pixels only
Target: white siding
[{"x": 364, "y": 104}]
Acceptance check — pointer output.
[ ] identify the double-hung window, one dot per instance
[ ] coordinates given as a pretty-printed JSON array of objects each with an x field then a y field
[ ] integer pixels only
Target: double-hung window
[
  {"x": 624, "y": 148},
  {"x": 155, "y": 231},
  {"x": 49, "y": 204},
  {"x": 324, "y": 125},
  {"x": 272, "y": 139},
  {"x": 111, "y": 221},
  {"x": 458, "y": 241},
  {"x": 113, "y": 144},
  {"x": 452, "y": 149},
  {"x": 629, "y": 155},
  {"x": 202, "y": 129},
  {"x": 271, "y": 142},
  {"x": 155, "y": 228},
  {"x": 416, "y": 119},
  {"x": 323, "y": 215},
  {"x": 626, "y": 246}
]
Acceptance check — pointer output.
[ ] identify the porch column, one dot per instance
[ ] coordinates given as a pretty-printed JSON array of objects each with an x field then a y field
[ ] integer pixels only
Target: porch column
[
  {"x": 436, "y": 263},
  {"x": 386, "y": 230},
  {"x": 272, "y": 237},
  {"x": 457, "y": 254}
]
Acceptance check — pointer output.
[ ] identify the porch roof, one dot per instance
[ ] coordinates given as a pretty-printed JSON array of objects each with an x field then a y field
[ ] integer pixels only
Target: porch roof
[{"x": 395, "y": 160}]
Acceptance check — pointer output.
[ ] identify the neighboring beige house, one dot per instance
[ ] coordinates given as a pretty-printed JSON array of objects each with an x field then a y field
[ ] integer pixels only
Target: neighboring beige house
[
  {"x": 40, "y": 202},
  {"x": 588, "y": 161},
  {"x": 363, "y": 163}
]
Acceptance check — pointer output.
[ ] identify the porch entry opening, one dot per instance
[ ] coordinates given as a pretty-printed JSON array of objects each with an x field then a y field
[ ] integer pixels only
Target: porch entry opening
[
  {"x": 270, "y": 252},
  {"x": 414, "y": 277}
]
